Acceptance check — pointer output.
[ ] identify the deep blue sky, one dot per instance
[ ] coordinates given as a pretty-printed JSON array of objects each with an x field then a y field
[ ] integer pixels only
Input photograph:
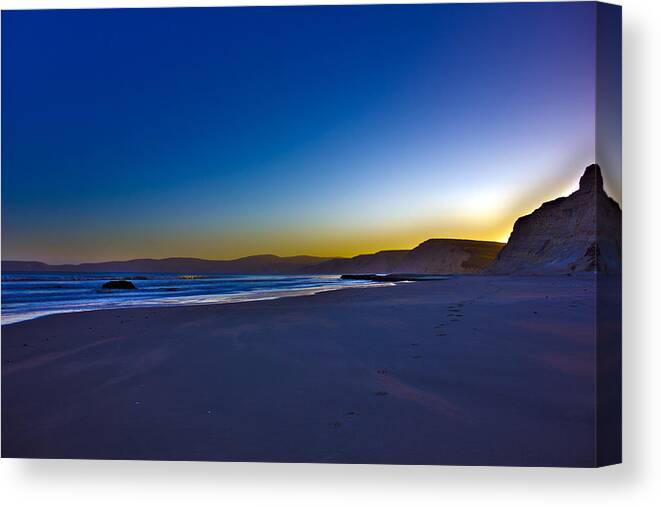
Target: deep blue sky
[{"x": 322, "y": 130}]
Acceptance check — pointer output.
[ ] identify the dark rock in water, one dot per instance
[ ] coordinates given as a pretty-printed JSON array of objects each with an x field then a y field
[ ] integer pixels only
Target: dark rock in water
[
  {"x": 119, "y": 285},
  {"x": 578, "y": 233},
  {"x": 395, "y": 278},
  {"x": 138, "y": 277}
]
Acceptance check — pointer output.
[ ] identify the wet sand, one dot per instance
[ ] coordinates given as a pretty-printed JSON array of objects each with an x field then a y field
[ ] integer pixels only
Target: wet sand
[{"x": 470, "y": 370}]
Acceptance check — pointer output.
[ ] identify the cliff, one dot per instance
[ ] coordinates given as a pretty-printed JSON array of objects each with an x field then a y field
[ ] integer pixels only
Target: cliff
[
  {"x": 580, "y": 232},
  {"x": 434, "y": 256}
]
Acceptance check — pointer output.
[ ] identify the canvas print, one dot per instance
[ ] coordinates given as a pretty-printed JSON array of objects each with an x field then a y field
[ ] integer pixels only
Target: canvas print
[{"x": 383, "y": 234}]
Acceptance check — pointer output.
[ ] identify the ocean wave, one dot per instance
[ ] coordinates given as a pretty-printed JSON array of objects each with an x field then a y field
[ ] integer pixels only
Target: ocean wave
[
  {"x": 33, "y": 295},
  {"x": 28, "y": 312}
]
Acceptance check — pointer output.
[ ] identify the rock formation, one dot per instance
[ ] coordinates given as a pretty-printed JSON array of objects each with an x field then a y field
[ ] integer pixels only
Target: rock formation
[
  {"x": 580, "y": 232},
  {"x": 403, "y": 277}
]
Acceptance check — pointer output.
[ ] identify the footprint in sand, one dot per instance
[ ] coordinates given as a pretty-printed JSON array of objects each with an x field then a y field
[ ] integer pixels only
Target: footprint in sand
[
  {"x": 338, "y": 424},
  {"x": 440, "y": 327},
  {"x": 382, "y": 371},
  {"x": 455, "y": 313}
]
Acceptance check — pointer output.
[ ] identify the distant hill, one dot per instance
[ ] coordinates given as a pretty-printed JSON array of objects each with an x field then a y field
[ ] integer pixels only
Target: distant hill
[
  {"x": 385, "y": 261},
  {"x": 255, "y": 264},
  {"x": 580, "y": 232},
  {"x": 434, "y": 256}
]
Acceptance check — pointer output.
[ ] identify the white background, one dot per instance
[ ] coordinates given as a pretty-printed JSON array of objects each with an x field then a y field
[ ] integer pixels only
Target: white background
[{"x": 636, "y": 482}]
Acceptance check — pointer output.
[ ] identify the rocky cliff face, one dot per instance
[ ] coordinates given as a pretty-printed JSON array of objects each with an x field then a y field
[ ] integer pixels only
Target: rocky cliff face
[
  {"x": 447, "y": 256},
  {"x": 434, "y": 256},
  {"x": 580, "y": 232}
]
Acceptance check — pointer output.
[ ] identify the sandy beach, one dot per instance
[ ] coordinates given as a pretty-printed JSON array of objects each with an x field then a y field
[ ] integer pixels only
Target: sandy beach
[{"x": 471, "y": 370}]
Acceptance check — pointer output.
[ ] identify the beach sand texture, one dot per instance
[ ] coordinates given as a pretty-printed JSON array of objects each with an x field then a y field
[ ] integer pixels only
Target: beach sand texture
[{"x": 488, "y": 370}]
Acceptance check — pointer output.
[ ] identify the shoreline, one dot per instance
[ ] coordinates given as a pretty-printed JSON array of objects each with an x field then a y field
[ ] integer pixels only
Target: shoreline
[
  {"x": 211, "y": 299},
  {"x": 268, "y": 295},
  {"x": 473, "y": 370}
]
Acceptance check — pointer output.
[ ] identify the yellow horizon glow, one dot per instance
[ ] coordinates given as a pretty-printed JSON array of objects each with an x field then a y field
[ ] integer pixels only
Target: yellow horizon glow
[{"x": 482, "y": 218}]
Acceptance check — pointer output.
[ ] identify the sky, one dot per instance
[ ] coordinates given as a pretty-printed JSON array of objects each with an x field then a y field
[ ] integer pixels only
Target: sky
[{"x": 330, "y": 131}]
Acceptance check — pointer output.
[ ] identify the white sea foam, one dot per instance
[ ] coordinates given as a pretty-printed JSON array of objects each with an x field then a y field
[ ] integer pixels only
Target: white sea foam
[{"x": 24, "y": 300}]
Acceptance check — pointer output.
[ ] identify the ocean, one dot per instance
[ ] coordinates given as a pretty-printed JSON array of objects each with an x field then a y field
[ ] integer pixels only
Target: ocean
[{"x": 27, "y": 295}]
